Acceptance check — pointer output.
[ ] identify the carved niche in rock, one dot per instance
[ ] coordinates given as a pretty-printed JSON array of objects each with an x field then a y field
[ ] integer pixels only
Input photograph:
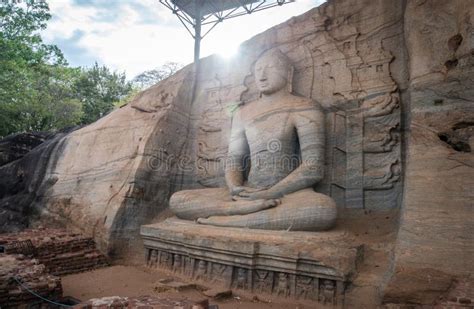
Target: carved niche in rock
[
  {"x": 275, "y": 156},
  {"x": 348, "y": 73}
]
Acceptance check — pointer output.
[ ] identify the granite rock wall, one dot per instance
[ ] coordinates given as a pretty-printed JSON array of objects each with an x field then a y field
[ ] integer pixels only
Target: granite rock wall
[
  {"x": 109, "y": 180},
  {"x": 435, "y": 243},
  {"x": 23, "y": 183}
]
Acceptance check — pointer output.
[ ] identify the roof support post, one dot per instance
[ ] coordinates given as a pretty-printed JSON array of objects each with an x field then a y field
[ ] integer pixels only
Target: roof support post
[{"x": 197, "y": 32}]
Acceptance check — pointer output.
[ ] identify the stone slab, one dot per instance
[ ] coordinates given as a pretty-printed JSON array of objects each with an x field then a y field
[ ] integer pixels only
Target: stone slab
[
  {"x": 170, "y": 284},
  {"x": 303, "y": 265},
  {"x": 218, "y": 293},
  {"x": 150, "y": 302}
]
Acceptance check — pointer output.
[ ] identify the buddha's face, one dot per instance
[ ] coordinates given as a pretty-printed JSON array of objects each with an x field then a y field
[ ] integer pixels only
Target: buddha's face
[{"x": 271, "y": 74}]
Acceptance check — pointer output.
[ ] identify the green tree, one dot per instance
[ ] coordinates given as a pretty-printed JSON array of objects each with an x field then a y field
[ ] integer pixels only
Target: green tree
[
  {"x": 26, "y": 64},
  {"x": 99, "y": 89},
  {"x": 59, "y": 105},
  {"x": 38, "y": 91},
  {"x": 151, "y": 77}
]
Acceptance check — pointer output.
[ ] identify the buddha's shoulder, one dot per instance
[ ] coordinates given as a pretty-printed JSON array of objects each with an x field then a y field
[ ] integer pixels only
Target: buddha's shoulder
[{"x": 302, "y": 103}]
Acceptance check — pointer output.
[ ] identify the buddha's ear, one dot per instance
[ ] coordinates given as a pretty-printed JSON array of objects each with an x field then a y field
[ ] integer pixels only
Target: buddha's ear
[{"x": 290, "y": 79}]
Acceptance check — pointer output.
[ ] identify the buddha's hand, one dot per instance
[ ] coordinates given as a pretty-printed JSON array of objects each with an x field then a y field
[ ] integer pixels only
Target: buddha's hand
[
  {"x": 261, "y": 194},
  {"x": 236, "y": 190}
]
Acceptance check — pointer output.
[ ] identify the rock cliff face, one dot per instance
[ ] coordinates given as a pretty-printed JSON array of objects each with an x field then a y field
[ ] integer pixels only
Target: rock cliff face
[
  {"x": 435, "y": 244},
  {"x": 396, "y": 81},
  {"x": 107, "y": 179},
  {"x": 23, "y": 183}
]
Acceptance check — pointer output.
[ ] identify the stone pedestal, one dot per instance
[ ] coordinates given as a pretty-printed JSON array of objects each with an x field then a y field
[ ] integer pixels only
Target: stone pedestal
[{"x": 300, "y": 265}]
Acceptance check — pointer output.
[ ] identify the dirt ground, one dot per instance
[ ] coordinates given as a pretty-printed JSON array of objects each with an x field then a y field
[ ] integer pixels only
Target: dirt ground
[{"x": 137, "y": 281}]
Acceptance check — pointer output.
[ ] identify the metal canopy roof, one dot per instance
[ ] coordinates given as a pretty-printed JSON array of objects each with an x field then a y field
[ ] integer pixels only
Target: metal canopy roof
[
  {"x": 199, "y": 15},
  {"x": 209, "y": 13},
  {"x": 209, "y": 6}
]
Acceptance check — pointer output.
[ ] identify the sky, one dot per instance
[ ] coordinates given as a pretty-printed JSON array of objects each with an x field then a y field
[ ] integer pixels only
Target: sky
[{"x": 134, "y": 36}]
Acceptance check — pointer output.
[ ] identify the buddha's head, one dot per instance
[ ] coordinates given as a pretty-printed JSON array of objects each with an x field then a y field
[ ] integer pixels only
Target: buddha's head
[{"x": 273, "y": 71}]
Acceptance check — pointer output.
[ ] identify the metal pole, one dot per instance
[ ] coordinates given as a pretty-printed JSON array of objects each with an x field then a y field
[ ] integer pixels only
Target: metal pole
[
  {"x": 197, "y": 46},
  {"x": 197, "y": 32}
]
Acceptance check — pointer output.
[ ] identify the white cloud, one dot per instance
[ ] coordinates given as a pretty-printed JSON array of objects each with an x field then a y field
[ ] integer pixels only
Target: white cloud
[{"x": 137, "y": 36}]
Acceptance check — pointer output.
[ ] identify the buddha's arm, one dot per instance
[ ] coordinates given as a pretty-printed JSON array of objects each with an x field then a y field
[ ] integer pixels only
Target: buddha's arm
[
  {"x": 238, "y": 149},
  {"x": 309, "y": 124}
]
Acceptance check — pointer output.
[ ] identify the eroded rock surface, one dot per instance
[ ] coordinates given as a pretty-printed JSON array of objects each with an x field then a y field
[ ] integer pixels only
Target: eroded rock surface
[
  {"x": 435, "y": 243},
  {"x": 23, "y": 184}
]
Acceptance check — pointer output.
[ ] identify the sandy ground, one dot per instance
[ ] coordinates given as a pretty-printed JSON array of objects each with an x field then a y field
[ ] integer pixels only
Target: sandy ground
[{"x": 138, "y": 281}]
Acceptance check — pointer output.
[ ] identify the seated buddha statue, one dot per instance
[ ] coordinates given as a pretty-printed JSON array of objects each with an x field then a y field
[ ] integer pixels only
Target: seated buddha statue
[{"x": 275, "y": 157}]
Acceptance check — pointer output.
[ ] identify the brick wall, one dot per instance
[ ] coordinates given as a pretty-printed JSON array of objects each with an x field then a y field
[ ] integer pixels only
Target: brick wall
[
  {"x": 60, "y": 251},
  {"x": 31, "y": 274}
]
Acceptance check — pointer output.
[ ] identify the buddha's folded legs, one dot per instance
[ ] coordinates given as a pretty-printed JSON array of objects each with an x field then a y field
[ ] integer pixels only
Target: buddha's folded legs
[
  {"x": 304, "y": 210},
  {"x": 204, "y": 203}
]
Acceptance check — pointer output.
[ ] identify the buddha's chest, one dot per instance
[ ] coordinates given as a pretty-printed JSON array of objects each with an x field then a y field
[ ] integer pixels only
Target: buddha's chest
[{"x": 274, "y": 128}]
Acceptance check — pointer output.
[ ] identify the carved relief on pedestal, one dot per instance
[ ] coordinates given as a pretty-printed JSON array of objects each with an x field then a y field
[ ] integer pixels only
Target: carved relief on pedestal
[
  {"x": 165, "y": 260},
  {"x": 241, "y": 278},
  {"x": 221, "y": 274},
  {"x": 188, "y": 266},
  {"x": 306, "y": 287},
  {"x": 178, "y": 265},
  {"x": 200, "y": 272},
  {"x": 263, "y": 281},
  {"x": 152, "y": 258},
  {"x": 282, "y": 285},
  {"x": 327, "y": 292}
]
